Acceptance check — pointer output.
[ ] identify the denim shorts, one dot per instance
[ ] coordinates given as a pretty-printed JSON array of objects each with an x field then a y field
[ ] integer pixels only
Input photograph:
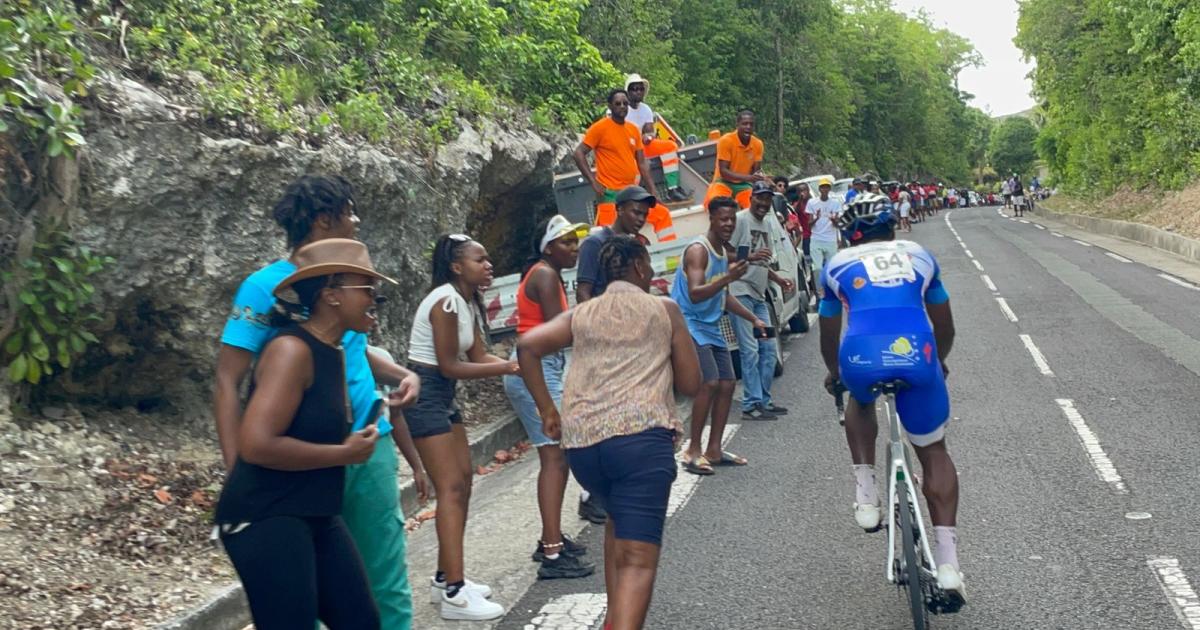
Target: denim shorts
[
  {"x": 434, "y": 411},
  {"x": 631, "y": 476},
  {"x": 554, "y": 366},
  {"x": 715, "y": 363}
]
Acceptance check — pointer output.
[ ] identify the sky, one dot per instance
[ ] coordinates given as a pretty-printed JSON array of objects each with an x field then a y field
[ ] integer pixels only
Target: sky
[{"x": 999, "y": 85}]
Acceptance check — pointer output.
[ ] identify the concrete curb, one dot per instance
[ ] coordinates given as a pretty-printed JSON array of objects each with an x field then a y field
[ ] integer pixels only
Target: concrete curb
[
  {"x": 1137, "y": 232},
  {"x": 229, "y": 611}
]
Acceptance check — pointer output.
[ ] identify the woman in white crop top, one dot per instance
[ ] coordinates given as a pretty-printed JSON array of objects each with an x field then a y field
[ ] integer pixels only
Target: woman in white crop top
[{"x": 446, "y": 345}]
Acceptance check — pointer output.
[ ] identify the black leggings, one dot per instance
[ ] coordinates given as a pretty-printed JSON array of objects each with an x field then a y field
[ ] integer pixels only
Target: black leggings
[{"x": 297, "y": 570}]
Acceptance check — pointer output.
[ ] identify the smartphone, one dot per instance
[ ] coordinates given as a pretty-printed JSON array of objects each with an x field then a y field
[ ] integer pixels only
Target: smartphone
[
  {"x": 376, "y": 410},
  {"x": 764, "y": 333},
  {"x": 743, "y": 252}
]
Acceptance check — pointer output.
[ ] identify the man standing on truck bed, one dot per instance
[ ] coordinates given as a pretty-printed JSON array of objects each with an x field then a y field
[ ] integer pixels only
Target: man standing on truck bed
[
  {"x": 643, "y": 118},
  {"x": 739, "y": 157},
  {"x": 620, "y": 161}
]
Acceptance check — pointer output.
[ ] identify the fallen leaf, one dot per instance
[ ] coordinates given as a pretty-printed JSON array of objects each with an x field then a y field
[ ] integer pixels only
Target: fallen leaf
[
  {"x": 146, "y": 480},
  {"x": 162, "y": 495},
  {"x": 200, "y": 499},
  {"x": 480, "y": 470}
]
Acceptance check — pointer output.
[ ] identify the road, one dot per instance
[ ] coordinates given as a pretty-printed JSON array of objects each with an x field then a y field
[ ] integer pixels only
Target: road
[{"x": 1073, "y": 389}]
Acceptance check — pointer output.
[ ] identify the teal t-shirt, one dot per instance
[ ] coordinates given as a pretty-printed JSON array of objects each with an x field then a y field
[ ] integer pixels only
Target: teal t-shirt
[{"x": 248, "y": 328}]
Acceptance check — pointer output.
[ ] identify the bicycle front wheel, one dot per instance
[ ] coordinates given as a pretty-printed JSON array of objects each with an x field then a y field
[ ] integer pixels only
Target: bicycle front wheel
[{"x": 910, "y": 573}]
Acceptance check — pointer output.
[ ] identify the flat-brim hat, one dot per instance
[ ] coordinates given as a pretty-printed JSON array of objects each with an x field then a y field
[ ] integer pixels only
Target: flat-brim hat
[{"x": 327, "y": 257}]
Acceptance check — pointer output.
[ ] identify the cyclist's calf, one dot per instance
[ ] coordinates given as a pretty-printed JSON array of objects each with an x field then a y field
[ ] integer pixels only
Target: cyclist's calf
[{"x": 940, "y": 485}]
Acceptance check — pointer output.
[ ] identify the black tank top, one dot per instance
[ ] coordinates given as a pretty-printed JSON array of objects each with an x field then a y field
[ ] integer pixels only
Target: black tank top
[{"x": 253, "y": 492}]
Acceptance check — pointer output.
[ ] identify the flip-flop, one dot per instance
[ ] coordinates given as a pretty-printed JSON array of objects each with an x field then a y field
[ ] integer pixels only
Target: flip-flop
[
  {"x": 698, "y": 466},
  {"x": 730, "y": 459}
]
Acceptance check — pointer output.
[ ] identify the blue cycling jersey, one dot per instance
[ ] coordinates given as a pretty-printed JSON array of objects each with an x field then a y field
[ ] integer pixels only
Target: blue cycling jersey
[{"x": 884, "y": 286}]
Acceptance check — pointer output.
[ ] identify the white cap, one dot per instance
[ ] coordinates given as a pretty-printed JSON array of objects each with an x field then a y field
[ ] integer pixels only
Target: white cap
[{"x": 558, "y": 227}]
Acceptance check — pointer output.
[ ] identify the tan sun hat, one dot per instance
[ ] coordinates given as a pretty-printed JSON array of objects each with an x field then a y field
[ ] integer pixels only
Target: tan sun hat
[{"x": 327, "y": 257}]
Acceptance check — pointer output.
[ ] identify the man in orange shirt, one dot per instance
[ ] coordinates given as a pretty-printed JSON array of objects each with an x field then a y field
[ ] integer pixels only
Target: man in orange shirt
[
  {"x": 739, "y": 157},
  {"x": 620, "y": 161}
]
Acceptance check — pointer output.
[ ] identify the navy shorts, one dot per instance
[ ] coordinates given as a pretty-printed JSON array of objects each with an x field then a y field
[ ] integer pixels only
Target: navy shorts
[
  {"x": 434, "y": 411},
  {"x": 631, "y": 475},
  {"x": 924, "y": 407},
  {"x": 715, "y": 363}
]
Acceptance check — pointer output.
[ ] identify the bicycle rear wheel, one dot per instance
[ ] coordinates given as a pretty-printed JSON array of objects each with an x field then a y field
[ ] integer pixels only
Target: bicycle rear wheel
[{"x": 910, "y": 573}]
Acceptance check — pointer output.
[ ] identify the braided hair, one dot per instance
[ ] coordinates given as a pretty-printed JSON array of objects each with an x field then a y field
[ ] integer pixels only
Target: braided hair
[
  {"x": 307, "y": 199},
  {"x": 618, "y": 254},
  {"x": 448, "y": 250}
]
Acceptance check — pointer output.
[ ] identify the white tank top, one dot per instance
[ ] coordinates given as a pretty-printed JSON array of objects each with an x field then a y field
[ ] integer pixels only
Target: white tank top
[{"x": 420, "y": 341}]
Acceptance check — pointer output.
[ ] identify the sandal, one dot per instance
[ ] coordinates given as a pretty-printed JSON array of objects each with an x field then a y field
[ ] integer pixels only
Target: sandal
[
  {"x": 698, "y": 466},
  {"x": 730, "y": 459}
]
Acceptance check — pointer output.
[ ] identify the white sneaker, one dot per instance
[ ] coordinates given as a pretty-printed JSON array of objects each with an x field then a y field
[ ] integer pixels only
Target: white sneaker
[
  {"x": 469, "y": 605},
  {"x": 867, "y": 515},
  {"x": 950, "y": 580},
  {"x": 437, "y": 588}
]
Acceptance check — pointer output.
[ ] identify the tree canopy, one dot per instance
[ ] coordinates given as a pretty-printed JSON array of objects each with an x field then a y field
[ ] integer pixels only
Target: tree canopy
[
  {"x": 1119, "y": 85},
  {"x": 851, "y": 84},
  {"x": 1011, "y": 148}
]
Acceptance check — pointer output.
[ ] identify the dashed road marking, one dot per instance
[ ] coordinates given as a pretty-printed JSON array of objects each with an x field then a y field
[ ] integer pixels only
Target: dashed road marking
[
  {"x": 969, "y": 254},
  {"x": 577, "y": 611},
  {"x": 1039, "y": 359},
  {"x": 1178, "y": 590},
  {"x": 977, "y": 265},
  {"x": 990, "y": 285},
  {"x": 1038, "y": 226},
  {"x": 1117, "y": 257},
  {"x": 1025, "y": 221},
  {"x": 1081, "y": 242},
  {"x": 1007, "y": 310},
  {"x": 1100, "y": 461},
  {"x": 1058, "y": 235},
  {"x": 1182, "y": 283}
]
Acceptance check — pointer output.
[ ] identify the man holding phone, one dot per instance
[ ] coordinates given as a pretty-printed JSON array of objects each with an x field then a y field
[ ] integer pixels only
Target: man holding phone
[
  {"x": 759, "y": 235},
  {"x": 701, "y": 283}
]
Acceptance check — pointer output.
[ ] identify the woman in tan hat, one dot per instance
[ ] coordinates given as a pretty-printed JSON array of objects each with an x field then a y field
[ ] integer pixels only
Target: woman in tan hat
[
  {"x": 447, "y": 345},
  {"x": 540, "y": 297},
  {"x": 278, "y": 514}
]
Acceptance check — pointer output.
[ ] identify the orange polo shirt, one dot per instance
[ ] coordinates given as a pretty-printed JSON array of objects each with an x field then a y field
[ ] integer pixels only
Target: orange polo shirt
[
  {"x": 741, "y": 157},
  {"x": 616, "y": 148}
]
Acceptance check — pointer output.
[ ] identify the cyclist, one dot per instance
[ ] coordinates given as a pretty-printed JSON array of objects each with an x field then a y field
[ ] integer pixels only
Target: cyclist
[{"x": 894, "y": 290}]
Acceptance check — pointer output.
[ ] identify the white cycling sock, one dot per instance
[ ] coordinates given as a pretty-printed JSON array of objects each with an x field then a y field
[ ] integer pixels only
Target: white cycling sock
[
  {"x": 864, "y": 484},
  {"x": 945, "y": 550}
]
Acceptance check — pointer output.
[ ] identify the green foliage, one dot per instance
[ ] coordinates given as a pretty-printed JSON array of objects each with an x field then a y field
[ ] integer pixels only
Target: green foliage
[
  {"x": 1120, "y": 89},
  {"x": 303, "y": 64},
  {"x": 53, "y": 292},
  {"x": 856, "y": 82},
  {"x": 1011, "y": 149},
  {"x": 40, "y": 39}
]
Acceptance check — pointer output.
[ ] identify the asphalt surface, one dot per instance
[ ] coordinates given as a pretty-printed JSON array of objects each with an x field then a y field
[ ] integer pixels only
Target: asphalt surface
[{"x": 1046, "y": 534}]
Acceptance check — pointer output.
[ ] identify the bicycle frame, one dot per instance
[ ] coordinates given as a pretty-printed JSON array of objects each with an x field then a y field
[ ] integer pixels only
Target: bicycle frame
[{"x": 899, "y": 472}]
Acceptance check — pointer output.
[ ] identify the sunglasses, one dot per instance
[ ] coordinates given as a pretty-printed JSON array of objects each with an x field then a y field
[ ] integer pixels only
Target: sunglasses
[
  {"x": 371, "y": 289},
  {"x": 458, "y": 238}
]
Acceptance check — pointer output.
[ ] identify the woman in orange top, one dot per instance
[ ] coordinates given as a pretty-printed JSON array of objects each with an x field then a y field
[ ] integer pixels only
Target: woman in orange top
[{"x": 540, "y": 297}]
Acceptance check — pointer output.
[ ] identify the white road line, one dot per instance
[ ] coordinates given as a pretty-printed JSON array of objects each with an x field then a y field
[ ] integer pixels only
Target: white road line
[
  {"x": 1039, "y": 359},
  {"x": 977, "y": 265},
  {"x": 1117, "y": 257},
  {"x": 1040, "y": 227},
  {"x": 685, "y": 482},
  {"x": 969, "y": 254},
  {"x": 1024, "y": 221},
  {"x": 1178, "y": 590},
  {"x": 1100, "y": 461},
  {"x": 988, "y": 281},
  {"x": 1182, "y": 283},
  {"x": 1081, "y": 242},
  {"x": 1058, "y": 235},
  {"x": 577, "y": 611},
  {"x": 1008, "y": 312}
]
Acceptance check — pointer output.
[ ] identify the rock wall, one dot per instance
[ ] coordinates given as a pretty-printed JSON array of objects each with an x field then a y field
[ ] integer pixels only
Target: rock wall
[{"x": 186, "y": 215}]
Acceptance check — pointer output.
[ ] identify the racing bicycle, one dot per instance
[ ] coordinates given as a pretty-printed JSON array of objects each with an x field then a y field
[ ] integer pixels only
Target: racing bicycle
[{"x": 910, "y": 565}]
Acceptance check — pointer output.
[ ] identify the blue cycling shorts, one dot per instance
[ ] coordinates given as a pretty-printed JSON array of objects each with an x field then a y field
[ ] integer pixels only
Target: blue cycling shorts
[{"x": 924, "y": 407}]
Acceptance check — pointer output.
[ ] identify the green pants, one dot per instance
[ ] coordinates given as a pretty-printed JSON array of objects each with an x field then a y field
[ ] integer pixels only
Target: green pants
[{"x": 371, "y": 509}]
